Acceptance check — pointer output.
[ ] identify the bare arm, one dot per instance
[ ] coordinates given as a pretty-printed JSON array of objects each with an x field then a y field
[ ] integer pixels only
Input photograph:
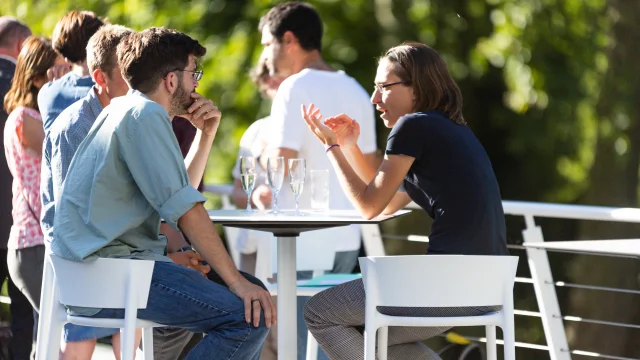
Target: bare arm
[
  {"x": 196, "y": 159},
  {"x": 373, "y": 198},
  {"x": 32, "y": 133},
  {"x": 362, "y": 165}
]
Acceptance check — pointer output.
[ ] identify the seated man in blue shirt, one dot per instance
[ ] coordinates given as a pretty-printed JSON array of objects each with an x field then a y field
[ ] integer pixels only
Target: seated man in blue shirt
[
  {"x": 129, "y": 173},
  {"x": 70, "y": 38}
]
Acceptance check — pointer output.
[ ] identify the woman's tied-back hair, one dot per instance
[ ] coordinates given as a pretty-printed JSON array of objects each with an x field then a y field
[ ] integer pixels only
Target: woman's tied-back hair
[
  {"x": 421, "y": 67},
  {"x": 148, "y": 56},
  {"x": 36, "y": 57}
]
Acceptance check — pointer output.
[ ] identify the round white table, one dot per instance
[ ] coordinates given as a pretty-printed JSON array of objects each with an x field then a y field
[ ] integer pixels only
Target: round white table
[{"x": 286, "y": 228}]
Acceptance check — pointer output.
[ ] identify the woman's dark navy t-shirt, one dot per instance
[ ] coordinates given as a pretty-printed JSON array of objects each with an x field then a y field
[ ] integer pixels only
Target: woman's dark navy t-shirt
[{"x": 453, "y": 181}]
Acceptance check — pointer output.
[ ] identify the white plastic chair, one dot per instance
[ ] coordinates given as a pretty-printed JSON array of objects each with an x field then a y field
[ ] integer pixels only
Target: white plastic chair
[
  {"x": 104, "y": 283},
  {"x": 439, "y": 281},
  {"x": 313, "y": 253}
]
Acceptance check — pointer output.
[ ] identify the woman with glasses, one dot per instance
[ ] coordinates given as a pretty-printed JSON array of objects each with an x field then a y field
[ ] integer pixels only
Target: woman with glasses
[{"x": 431, "y": 158}]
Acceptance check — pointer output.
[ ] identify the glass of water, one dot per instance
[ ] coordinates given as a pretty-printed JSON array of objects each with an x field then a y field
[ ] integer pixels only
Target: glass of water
[
  {"x": 297, "y": 173},
  {"x": 319, "y": 190},
  {"x": 248, "y": 177},
  {"x": 275, "y": 177}
]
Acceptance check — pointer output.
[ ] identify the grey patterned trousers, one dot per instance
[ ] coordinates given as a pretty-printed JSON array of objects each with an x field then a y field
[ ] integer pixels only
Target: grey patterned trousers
[{"x": 335, "y": 317}]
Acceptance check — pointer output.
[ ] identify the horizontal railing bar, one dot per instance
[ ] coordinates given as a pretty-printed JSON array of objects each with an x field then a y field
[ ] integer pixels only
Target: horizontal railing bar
[
  {"x": 501, "y": 342},
  {"x": 593, "y": 287},
  {"x": 599, "y": 322},
  {"x": 524, "y": 280},
  {"x": 566, "y": 211},
  {"x": 527, "y": 313},
  {"x": 598, "y": 355},
  {"x": 589, "y": 253}
]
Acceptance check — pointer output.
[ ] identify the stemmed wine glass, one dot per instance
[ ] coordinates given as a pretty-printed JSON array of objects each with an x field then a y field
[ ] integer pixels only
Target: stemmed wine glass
[
  {"x": 248, "y": 177},
  {"x": 297, "y": 172},
  {"x": 275, "y": 177}
]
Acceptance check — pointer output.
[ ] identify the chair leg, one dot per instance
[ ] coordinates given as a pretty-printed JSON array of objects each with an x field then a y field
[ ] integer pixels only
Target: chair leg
[
  {"x": 508, "y": 333},
  {"x": 508, "y": 328},
  {"x": 54, "y": 337},
  {"x": 383, "y": 342},
  {"x": 312, "y": 347},
  {"x": 47, "y": 312},
  {"x": 491, "y": 342},
  {"x": 369, "y": 341},
  {"x": 147, "y": 343}
]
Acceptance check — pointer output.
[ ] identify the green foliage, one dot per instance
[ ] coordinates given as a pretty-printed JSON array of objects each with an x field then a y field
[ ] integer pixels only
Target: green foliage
[
  {"x": 529, "y": 70},
  {"x": 532, "y": 73}
]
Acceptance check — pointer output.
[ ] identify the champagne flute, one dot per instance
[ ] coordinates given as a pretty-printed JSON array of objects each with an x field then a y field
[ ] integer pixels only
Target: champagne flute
[
  {"x": 297, "y": 172},
  {"x": 248, "y": 177},
  {"x": 275, "y": 177}
]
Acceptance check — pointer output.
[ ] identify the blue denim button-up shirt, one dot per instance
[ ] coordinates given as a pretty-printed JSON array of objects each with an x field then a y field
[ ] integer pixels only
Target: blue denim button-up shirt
[
  {"x": 60, "y": 144},
  {"x": 57, "y": 95},
  {"x": 127, "y": 174}
]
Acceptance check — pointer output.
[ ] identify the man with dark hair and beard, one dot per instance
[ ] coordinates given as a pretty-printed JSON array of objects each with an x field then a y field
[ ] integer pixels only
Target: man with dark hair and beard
[{"x": 129, "y": 173}]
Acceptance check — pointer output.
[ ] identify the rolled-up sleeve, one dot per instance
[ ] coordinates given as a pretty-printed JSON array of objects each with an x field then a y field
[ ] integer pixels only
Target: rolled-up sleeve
[{"x": 152, "y": 154}]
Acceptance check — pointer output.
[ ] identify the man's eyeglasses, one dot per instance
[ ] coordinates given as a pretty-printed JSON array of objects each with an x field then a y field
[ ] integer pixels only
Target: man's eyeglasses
[
  {"x": 381, "y": 87},
  {"x": 197, "y": 74}
]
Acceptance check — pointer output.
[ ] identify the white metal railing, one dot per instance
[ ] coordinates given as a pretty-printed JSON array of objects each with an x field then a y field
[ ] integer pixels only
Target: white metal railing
[{"x": 541, "y": 277}]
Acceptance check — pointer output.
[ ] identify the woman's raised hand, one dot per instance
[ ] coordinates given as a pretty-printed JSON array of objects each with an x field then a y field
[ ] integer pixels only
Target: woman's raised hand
[
  {"x": 313, "y": 118},
  {"x": 346, "y": 129}
]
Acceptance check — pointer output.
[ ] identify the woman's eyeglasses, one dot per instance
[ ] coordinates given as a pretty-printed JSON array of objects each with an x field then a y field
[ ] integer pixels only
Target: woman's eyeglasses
[{"x": 381, "y": 87}]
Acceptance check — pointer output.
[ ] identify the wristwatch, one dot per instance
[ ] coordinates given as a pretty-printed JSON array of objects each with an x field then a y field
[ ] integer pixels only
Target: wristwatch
[{"x": 185, "y": 248}]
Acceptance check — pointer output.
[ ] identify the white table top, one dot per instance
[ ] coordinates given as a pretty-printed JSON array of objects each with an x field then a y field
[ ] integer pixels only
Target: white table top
[
  {"x": 286, "y": 222},
  {"x": 624, "y": 247},
  {"x": 287, "y": 216}
]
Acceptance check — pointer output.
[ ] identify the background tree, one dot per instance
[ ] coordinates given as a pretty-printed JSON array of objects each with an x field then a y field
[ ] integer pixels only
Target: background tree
[{"x": 551, "y": 89}]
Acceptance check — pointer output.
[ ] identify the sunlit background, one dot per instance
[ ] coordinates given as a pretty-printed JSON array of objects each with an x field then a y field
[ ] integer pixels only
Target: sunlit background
[{"x": 551, "y": 88}]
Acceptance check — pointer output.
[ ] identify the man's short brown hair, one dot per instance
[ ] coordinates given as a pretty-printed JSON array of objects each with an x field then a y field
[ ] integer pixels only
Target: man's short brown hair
[
  {"x": 101, "y": 49},
  {"x": 72, "y": 33},
  {"x": 146, "y": 57}
]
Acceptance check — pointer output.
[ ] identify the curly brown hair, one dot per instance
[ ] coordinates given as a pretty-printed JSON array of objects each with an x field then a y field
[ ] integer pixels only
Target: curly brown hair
[{"x": 36, "y": 57}]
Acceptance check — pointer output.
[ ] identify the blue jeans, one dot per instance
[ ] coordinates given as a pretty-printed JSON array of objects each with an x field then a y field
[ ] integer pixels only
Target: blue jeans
[{"x": 183, "y": 298}]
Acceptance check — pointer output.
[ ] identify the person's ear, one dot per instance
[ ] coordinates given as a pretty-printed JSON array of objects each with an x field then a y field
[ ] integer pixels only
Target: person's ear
[
  {"x": 288, "y": 38},
  {"x": 171, "y": 82},
  {"x": 99, "y": 78}
]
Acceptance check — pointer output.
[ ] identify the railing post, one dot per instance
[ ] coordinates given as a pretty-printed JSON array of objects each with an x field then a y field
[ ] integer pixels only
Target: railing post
[
  {"x": 546, "y": 293},
  {"x": 372, "y": 240}
]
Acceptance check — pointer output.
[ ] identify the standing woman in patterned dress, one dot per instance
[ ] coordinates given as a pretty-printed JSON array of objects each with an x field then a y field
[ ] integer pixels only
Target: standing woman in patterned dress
[{"x": 23, "y": 136}]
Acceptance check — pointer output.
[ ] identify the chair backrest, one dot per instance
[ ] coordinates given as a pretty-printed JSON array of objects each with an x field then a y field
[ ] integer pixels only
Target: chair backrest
[
  {"x": 438, "y": 280},
  {"x": 103, "y": 283},
  {"x": 313, "y": 253}
]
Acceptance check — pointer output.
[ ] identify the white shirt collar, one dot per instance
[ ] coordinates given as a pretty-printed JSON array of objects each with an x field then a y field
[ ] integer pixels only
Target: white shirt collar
[{"x": 9, "y": 58}]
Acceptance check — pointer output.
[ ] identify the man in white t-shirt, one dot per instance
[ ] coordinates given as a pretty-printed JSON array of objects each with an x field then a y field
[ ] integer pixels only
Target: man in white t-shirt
[
  {"x": 292, "y": 39},
  {"x": 253, "y": 143}
]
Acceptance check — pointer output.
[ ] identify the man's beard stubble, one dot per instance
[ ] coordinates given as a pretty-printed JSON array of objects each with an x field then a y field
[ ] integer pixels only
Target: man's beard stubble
[{"x": 180, "y": 101}]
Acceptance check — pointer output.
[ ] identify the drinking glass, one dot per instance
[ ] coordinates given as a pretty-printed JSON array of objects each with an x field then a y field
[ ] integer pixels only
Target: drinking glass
[
  {"x": 275, "y": 177},
  {"x": 297, "y": 173},
  {"x": 248, "y": 177},
  {"x": 319, "y": 190}
]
